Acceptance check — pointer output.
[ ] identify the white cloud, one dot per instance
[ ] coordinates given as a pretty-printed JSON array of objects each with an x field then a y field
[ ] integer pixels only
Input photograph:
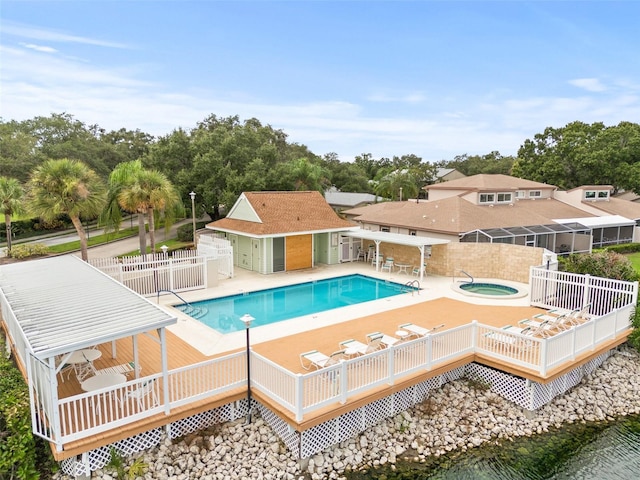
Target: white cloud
[
  {"x": 39, "y": 48},
  {"x": 35, "y": 33},
  {"x": 589, "y": 84}
]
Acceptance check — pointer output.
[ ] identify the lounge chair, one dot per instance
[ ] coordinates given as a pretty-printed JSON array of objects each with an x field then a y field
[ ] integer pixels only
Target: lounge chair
[
  {"x": 386, "y": 340},
  {"x": 417, "y": 330},
  {"x": 362, "y": 348},
  {"x": 547, "y": 325},
  {"x": 317, "y": 360},
  {"x": 125, "y": 369}
]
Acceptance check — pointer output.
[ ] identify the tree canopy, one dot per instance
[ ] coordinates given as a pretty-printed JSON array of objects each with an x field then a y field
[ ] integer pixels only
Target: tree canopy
[{"x": 583, "y": 154}]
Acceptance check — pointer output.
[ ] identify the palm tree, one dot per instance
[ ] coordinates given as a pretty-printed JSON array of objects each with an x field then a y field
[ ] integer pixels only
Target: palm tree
[
  {"x": 150, "y": 192},
  {"x": 11, "y": 195},
  {"x": 68, "y": 187},
  {"x": 402, "y": 183},
  {"x": 136, "y": 190}
]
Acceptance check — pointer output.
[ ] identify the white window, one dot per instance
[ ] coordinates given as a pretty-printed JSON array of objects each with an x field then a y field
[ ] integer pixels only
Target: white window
[
  {"x": 590, "y": 195},
  {"x": 412, "y": 232},
  {"x": 504, "y": 197},
  {"x": 487, "y": 197},
  {"x": 535, "y": 193},
  {"x": 521, "y": 194},
  {"x": 603, "y": 194},
  {"x": 385, "y": 229}
]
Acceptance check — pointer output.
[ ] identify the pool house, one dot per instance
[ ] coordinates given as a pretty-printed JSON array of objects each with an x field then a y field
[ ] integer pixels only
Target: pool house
[{"x": 155, "y": 384}]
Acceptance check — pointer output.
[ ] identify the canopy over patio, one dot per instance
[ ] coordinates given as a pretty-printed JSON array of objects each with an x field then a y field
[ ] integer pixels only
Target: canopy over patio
[{"x": 399, "y": 239}]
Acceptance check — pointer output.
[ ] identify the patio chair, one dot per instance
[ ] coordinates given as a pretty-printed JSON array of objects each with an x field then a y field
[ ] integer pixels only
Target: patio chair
[
  {"x": 386, "y": 340},
  {"x": 379, "y": 259},
  {"x": 387, "y": 265},
  {"x": 417, "y": 330},
  {"x": 362, "y": 255},
  {"x": 362, "y": 348},
  {"x": 417, "y": 270},
  {"x": 84, "y": 370},
  {"x": 66, "y": 368},
  {"x": 318, "y": 360},
  {"x": 144, "y": 395}
]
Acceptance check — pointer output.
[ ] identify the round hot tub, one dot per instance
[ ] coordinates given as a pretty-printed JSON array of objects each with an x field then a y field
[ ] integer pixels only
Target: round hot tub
[{"x": 487, "y": 289}]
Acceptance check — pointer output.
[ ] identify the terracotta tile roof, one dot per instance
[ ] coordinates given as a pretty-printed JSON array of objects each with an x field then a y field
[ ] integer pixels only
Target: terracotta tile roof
[
  {"x": 285, "y": 212},
  {"x": 489, "y": 182},
  {"x": 617, "y": 206},
  {"x": 455, "y": 215}
]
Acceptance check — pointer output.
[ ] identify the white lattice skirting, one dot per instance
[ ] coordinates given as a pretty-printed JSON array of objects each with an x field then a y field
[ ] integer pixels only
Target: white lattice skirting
[{"x": 525, "y": 393}]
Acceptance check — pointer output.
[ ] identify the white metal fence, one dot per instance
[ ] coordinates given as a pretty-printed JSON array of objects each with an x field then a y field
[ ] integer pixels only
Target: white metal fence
[
  {"x": 212, "y": 246},
  {"x": 147, "y": 275}
]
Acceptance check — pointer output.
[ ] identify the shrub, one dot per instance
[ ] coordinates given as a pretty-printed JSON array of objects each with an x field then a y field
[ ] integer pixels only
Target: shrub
[
  {"x": 185, "y": 232},
  {"x": 27, "y": 250},
  {"x": 17, "y": 445},
  {"x": 605, "y": 264},
  {"x": 623, "y": 248}
]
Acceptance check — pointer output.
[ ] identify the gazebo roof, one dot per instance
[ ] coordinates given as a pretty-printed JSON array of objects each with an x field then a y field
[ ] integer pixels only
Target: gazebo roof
[{"x": 63, "y": 304}]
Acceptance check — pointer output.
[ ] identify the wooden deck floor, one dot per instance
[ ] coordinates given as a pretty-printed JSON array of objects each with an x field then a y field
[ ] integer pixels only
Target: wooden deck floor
[{"x": 285, "y": 351}]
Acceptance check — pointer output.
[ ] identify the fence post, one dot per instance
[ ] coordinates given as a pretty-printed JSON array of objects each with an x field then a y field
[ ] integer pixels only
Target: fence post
[
  {"x": 299, "y": 399},
  {"x": 573, "y": 343},
  {"x": 587, "y": 287},
  {"x": 390, "y": 364},
  {"x": 171, "y": 274},
  {"x": 429, "y": 346},
  {"x": 474, "y": 334},
  {"x": 344, "y": 382},
  {"x": 543, "y": 357}
]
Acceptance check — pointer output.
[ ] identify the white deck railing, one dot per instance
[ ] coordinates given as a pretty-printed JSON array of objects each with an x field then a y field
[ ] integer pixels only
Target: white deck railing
[{"x": 80, "y": 416}]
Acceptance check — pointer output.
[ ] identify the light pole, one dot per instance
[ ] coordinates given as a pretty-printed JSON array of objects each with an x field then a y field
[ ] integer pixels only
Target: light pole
[
  {"x": 193, "y": 215},
  {"x": 164, "y": 249},
  {"x": 247, "y": 319}
]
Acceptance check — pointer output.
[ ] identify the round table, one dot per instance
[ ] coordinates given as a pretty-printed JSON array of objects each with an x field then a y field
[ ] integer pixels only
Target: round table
[
  {"x": 104, "y": 380},
  {"x": 82, "y": 356},
  {"x": 402, "y": 334}
]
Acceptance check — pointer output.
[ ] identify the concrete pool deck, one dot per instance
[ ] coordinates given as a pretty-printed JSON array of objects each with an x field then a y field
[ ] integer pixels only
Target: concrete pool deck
[{"x": 210, "y": 342}]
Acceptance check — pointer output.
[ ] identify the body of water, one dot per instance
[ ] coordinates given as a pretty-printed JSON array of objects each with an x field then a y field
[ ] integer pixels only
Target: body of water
[{"x": 593, "y": 451}]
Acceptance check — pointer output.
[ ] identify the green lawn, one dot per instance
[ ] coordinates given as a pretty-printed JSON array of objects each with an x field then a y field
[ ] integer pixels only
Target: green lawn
[
  {"x": 94, "y": 240},
  {"x": 634, "y": 258},
  {"x": 173, "y": 244}
]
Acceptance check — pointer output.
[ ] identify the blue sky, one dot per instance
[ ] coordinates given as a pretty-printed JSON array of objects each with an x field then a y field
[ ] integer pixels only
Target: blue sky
[{"x": 431, "y": 78}]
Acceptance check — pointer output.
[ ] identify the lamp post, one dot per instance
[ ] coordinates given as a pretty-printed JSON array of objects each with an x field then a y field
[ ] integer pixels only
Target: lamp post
[
  {"x": 192, "y": 194},
  {"x": 164, "y": 249},
  {"x": 247, "y": 319}
]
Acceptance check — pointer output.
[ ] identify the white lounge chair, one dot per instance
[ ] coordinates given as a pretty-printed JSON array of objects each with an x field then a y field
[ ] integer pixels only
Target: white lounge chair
[
  {"x": 386, "y": 340},
  {"x": 547, "y": 325},
  {"x": 125, "y": 369},
  {"x": 317, "y": 360},
  {"x": 417, "y": 330}
]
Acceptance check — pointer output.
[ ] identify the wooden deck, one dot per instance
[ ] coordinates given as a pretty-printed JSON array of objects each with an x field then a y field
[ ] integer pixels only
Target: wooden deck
[{"x": 285, "y": 352}]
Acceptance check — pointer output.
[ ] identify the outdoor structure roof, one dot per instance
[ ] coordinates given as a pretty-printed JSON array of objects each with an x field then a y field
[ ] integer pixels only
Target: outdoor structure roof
[
  {"x": 64, "y": 304},
  {"x": 599, "y": 222},
  {"x": 336, "y": 198},
  {"x": 397, "y": 238},
  {"x": 531, "y": 230},
  {"x": 490, "y": 182},
  {"x": 267, "y": 214}
]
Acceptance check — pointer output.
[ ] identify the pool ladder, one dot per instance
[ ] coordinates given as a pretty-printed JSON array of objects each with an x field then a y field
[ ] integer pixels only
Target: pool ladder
[
  {"x": 468, "y": 275},
  {"x": 411, "y": 283},
  {"x": 195, "y": 312}
]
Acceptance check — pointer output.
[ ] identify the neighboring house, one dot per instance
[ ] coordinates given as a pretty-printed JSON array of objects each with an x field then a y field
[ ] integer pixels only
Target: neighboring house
[
  {"x": 282, "y": 231},
  {"x": 448, "y": 174},
  {"x": 504, "y": 209},
  {"x": 340, "y": 201}
]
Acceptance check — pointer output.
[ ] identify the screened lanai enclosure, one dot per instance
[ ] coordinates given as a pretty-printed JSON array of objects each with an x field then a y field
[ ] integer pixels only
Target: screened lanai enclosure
[{"x": 558, "y": 238}]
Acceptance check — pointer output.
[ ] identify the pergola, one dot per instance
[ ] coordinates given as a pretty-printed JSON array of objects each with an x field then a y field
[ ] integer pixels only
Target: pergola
[
  {"x": 56, "y": 306},
  {"x": 399, "y": 239}
]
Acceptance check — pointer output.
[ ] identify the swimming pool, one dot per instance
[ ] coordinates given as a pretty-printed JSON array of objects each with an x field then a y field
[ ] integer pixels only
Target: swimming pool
[{"x": 283, "y": 303}]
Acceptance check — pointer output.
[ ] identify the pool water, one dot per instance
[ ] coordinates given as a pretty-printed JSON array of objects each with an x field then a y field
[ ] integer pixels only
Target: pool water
[
  {"x": 488, "y": 289},
  {"x": 283, "y": 303}
]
